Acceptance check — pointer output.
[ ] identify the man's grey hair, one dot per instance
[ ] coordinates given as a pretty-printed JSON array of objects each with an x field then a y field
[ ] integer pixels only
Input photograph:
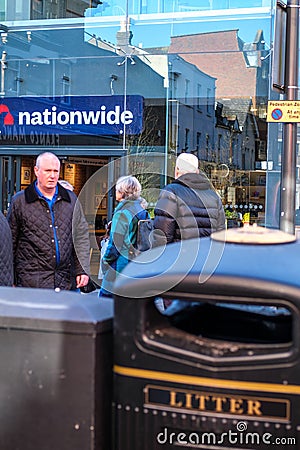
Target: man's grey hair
[{"x": 45, "y": 155}]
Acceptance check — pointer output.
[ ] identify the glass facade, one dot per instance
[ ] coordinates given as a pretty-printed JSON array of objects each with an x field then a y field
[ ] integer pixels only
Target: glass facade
[{"x": 125, "y": 86}]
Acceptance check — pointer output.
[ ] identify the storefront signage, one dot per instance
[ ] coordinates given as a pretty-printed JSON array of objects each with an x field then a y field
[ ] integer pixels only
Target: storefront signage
[
  {"x": 283, "y": 111},
  {"x": 86, "y": 161},
  {"x": 78, "y": 115}
]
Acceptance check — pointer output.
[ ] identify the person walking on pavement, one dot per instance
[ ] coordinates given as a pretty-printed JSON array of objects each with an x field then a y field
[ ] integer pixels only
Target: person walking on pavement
[
  {"x": 103, "y": 246},
  {"x": 189, "y": 207},
  {"x": 123, "y": 233},
  {"x": 6, "y": 253},
  {"x": 49, "y": 232}
]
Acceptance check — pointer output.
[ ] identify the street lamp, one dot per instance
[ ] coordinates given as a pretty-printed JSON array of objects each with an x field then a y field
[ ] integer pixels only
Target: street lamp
[{"x": 3, "y": 68}]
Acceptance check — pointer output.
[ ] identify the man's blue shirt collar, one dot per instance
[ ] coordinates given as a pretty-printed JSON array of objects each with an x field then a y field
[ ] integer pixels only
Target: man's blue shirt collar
[{"x": 48, "y": 200}]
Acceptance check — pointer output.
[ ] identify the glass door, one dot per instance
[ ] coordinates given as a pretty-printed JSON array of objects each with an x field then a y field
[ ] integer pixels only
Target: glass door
[{"x": 9, "y": 167}]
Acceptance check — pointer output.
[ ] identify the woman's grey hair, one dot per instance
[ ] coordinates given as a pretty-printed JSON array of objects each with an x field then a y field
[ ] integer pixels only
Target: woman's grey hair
[
  {"x": 129, "y": 187},
  {"x": 144, "y": 203},
  {"x": 66, "y": 185}
]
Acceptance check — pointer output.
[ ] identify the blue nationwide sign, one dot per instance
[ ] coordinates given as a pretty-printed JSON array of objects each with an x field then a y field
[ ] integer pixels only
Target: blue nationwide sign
[{"x": 72, "y": 115}]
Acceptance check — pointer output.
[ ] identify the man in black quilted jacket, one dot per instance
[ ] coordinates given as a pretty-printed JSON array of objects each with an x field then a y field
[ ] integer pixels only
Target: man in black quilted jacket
[
  {"x": 189, "y": 207},
  {"x": 49, "y": 231},
  {"x": 6, "y": 253}
]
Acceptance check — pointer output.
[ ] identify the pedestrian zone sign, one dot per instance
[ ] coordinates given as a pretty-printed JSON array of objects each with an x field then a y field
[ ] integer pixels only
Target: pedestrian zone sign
[{"x": 283, "y": 111}]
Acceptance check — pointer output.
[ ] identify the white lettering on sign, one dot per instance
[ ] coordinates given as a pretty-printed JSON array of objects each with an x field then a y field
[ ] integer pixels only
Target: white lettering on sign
[{"x": 52, "y": 117}]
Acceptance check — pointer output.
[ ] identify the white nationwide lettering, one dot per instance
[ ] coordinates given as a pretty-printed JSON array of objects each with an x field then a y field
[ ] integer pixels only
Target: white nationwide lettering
[
  {"x": 90, "y": 116},
  {"x": 103, "y": 117},
  {"x": 36, "y": 118}
]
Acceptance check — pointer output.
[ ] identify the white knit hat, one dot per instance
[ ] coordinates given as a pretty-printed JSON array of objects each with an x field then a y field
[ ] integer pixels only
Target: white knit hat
[{"x": 187, "y": 162}]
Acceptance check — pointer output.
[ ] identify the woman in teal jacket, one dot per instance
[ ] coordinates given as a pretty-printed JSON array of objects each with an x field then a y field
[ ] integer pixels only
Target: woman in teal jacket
[{"x": 123, "y": 234}]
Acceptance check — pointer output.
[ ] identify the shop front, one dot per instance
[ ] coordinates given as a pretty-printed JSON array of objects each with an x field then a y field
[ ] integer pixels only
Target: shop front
[{"x": 31, "y": 125}]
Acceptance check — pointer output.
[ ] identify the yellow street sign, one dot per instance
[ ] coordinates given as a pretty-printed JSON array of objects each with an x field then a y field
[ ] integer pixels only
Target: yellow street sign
[{"x": 283, "y": 111}]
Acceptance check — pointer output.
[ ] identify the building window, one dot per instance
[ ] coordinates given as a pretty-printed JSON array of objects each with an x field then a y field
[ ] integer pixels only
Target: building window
[
  {"x": 173, "y": 85},
  {"x": 143, "y": 7},
  {"x": 66, "y": 88},
  {"x": 174, "y": 143},
  {"x": 37, "y": 9},
  {"x": 262, "y": 153},
  {"x": 12, "y": 79},
  {"x": 219, "y": 142},
  {"x": 187, "y": 90},
  {"x": 207, "y": 147},
  {"x": 187, "y": 139},
  {"x": 219, "y": 151},
  {"x": 199, "y": 93},
  {"x": 208, "y": 95},
  {"x": 198, "y": 141},
  {"x": 262, "y": 111}
]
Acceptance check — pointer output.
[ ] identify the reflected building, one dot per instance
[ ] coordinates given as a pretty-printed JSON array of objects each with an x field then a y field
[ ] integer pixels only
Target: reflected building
[
  {"x": 242, "y": 90},
  {"x": 201, "y": 67}
]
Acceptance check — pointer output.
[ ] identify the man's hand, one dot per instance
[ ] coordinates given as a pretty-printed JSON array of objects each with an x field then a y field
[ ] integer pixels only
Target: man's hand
[{"x": 82, "y": 280}]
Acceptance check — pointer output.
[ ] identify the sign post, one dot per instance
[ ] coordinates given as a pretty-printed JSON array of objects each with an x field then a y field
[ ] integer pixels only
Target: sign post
[{"x": 288, "y": 167}]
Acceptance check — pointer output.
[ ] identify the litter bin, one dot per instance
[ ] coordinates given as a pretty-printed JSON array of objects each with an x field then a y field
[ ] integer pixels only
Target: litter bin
[
  {"x": 220, "y": 367},
  {"x": 55, "y": 371}
]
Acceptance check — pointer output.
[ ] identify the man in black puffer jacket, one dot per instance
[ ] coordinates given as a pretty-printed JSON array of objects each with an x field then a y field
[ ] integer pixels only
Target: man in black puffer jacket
[
  {"x": 50, "y": 233},
  {"x": 189, "y": 207},
  {"x": 6, "y": 253}
]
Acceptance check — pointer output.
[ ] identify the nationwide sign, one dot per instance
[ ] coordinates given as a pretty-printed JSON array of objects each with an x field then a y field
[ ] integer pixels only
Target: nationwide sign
[{"x": 73, "y": 115}]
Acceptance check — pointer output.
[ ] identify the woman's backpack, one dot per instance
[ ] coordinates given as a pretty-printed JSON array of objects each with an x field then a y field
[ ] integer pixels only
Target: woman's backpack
[{"x": 144, "y": 235}]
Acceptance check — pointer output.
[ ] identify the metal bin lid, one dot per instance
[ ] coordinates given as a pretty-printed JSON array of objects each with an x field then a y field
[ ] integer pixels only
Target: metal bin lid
[{"x": 47, "y": 310}]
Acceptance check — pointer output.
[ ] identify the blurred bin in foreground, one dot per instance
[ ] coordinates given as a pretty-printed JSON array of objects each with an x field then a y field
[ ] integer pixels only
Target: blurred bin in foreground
[
  {"x": 55, "y": 372},
  {"x": 220, "y": 368}
]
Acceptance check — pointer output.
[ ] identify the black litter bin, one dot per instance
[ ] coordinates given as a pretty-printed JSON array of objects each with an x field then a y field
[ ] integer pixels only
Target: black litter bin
[
  {"x": 55, "y": 370},
  {"x": 220, "y": 367}
]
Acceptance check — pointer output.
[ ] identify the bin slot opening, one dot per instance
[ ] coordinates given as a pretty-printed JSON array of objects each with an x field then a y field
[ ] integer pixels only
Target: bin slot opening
[{"x": 238, "y": 322}]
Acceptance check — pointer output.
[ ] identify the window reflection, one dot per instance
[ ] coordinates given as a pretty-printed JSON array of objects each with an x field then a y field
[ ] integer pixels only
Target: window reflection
[{"x": 204, "y": 81}]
